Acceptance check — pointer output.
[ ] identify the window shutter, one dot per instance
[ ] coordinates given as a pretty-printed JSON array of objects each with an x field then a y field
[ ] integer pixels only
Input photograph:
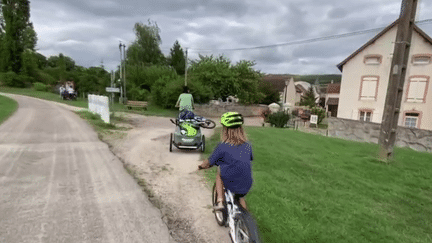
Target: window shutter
[
  {"x": 369, "y": 88},
  {"x": 412, "y": 90},
  {"x": 417, "y": 89},
  {"x": 421, "y": 89}
]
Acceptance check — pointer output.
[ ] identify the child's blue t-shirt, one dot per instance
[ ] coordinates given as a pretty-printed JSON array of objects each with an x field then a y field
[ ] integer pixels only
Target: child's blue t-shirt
[{"x": 235, "y": 166}]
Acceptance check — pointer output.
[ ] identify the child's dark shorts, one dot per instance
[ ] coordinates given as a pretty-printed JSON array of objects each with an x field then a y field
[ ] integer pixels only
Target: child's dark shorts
[{"x": 238, "y": 196}]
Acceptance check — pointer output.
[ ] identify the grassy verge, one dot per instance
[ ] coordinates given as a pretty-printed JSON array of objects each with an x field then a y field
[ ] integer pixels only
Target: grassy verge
[
  {"x": 310, "y": 188},
  {"x": 7, "y": 107},
  {"x": 152, "y": 110}
]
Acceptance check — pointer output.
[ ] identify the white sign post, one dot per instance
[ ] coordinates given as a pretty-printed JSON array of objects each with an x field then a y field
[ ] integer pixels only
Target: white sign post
[
  {"x": 112, "y": 90},
  {"x": 99, "y": 105},
  {"x": 314, "y": 120}
]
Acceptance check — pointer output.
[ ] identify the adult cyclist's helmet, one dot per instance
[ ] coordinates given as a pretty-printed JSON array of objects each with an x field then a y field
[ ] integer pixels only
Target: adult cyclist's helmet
[{"x": 232, "y": 119}]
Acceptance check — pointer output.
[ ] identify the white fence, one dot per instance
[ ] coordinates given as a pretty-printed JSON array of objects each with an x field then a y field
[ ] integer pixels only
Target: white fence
[{"x": 99, "y": 105}]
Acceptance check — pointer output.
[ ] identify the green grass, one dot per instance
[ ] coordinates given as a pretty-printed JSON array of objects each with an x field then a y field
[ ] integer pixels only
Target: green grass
[
  {"x": 152, "y": 110},
  {"x": 310, "y": 188},
  {"x": 95, "y": 120},
  {"x": 7, "y": 107}
]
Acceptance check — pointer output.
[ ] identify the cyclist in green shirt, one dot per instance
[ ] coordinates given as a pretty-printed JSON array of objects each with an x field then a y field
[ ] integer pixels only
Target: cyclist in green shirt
[{"x": 185, "y": 100}]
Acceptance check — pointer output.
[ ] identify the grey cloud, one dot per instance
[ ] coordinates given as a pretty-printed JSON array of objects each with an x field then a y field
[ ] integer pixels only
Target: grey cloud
[
  {"x": 337, "y": 13},
  {"x": 89, "y": 30}
]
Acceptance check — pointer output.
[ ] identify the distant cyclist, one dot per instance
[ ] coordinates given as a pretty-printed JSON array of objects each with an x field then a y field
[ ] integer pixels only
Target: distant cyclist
[
  {"x": 233, "y": 155},
  {"x": 185, "y": 100}
]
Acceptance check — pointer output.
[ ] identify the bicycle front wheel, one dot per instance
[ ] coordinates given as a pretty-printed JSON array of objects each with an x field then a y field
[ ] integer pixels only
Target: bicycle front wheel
[
  {"x": 245, "y": 228},
  {"x": 221, "y": 216}
]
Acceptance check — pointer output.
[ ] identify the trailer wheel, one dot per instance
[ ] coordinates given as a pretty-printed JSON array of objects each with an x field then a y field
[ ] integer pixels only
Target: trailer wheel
[
  {"x": 171, "y": 142},
  {"x": 203, "y": 144}
]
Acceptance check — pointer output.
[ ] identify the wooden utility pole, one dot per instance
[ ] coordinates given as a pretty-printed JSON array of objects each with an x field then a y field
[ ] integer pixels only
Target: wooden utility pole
[
  {"x": 121, "y": 69},
  {"x": 186, "y": 66},
  {"x": 124, "y": 72},
  {"x": 395, "y": 87}
]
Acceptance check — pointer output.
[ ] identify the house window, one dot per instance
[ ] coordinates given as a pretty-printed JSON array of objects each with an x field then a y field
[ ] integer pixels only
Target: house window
[
  {"x": 373, "y": 59},
  {"x": 369, "y": 87},
  {"x": 365, "y": 116},
  {"x": 417, "y": 88},
  {"x": 411, "y": 120},
  {"x": 421, "y": 59}
]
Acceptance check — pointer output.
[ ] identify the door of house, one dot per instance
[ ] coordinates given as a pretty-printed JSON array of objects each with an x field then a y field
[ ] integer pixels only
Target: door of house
[{"x": 333, "y": 109}]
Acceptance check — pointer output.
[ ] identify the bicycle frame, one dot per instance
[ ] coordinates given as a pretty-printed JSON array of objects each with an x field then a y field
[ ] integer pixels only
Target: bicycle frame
[{"x": 232, "y": 211}]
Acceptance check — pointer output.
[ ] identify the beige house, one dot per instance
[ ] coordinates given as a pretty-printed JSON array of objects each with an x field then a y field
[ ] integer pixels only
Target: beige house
[
  {"x": 332, "y": 98},
  {"x": 365, "y": 75},
  {"x": 284, "y": 84}
]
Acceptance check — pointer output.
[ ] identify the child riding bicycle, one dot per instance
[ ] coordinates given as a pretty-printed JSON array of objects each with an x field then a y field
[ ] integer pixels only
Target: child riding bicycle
[{"x": 233, "y": 155}]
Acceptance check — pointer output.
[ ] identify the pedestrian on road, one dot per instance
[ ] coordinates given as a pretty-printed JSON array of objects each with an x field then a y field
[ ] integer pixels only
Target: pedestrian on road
[{"x": 185, "y": 100}]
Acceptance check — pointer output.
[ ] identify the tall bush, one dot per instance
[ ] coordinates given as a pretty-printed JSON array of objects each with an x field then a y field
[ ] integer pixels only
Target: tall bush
[
  {"x": 12, "y": 79},
  {"x": 279, "y": 119},
  {"x": 136, "y": 93},
  {"x": 320, "y": 112},
  {"x": 202, "y": 94},
  {"x": 40, "y": 86}
]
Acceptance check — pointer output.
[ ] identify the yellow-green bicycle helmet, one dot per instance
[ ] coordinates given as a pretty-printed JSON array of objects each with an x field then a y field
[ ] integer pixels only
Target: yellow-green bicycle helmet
[{"x": 232, "y": 119}]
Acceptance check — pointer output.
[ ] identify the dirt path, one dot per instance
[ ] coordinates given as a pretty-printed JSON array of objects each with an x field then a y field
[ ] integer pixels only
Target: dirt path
[{"x": 179, "y": 190}]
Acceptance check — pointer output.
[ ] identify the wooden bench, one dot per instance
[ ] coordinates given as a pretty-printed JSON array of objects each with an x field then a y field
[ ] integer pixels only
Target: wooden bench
[{"x": 133, "y": 103}]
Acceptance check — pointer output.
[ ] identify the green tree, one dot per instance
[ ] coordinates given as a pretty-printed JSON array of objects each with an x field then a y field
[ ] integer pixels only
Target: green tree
[
  {"x": 145, "y": 49},
  {"x": 54, "y": 61},
  {"x": 19, "y": 34},
  {"x": 41, "y": 60},
  {"x": 247, "y": 82},
  {"x": 226, "y": 79},
  {"x": 308, "y": 99},
  {"x": 29, "y": 37},
  {"x": 177, "y": 59},
  {"x": 216, "y": 73},
  {"x": 61, "y": 64},
  {"x": 29, "y": 63}
]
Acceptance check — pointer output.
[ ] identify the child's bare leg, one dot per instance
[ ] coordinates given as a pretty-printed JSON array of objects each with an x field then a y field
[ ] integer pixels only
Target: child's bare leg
[
  {"x": 243, "y": 202},
  {"x": 219, "y": 186}
]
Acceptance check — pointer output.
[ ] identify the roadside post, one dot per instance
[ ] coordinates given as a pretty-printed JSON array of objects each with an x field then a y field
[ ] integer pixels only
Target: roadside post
[
  {"x": 112, "y": 90},
  {"x": 314, "y": 120}
]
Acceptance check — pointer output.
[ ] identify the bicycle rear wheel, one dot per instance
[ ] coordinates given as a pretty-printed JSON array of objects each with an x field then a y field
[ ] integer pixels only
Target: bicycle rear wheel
[
  {"x": 221, "y": 216},
  {"x": 245, "y": 228},
  {"x": 208, "y": 124}
]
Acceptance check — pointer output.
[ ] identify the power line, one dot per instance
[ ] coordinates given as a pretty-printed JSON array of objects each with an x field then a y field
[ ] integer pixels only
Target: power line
[{"x": 331, "y": 37}]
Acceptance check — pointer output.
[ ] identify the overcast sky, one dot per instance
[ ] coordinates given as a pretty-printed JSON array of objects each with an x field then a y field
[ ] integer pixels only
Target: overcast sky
[{"x": 89, "y": 31}]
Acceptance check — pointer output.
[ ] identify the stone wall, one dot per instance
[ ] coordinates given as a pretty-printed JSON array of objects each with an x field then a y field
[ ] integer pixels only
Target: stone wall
[
  {"x": 417, "y": 139},
  {"x": 216, "y": 110}
]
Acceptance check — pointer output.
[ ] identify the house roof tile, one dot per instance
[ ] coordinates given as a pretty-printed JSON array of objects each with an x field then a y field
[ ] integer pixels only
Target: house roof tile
[
  {"x": 333, "y": 88},
  {"x": 277, "y": 81},
  {"x": 371, "y": 41}
]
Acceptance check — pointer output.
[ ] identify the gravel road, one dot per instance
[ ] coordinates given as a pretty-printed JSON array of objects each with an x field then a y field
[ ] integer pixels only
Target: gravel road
[{"x": 59, "y": 183}]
